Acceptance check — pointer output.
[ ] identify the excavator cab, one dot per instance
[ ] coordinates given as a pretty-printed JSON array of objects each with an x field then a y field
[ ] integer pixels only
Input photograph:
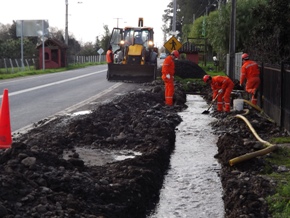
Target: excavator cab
[{"x": 136, "y": 57}]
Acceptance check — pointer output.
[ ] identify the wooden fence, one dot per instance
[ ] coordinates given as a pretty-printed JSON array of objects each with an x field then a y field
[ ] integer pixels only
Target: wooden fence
[
  {"x": 9, "y": 65},
  {"x": 274, "y": 90}
]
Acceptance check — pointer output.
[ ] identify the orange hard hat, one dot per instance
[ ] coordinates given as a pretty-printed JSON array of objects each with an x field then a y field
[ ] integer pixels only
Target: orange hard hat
[
  {"x": 245, "y": 56},
  {"x": 206, "y": 78},
  {"x": 175, "y": 53}
]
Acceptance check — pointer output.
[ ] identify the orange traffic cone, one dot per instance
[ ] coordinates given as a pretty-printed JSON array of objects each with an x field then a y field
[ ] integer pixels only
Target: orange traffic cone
[{"x": 5, "y": 127}]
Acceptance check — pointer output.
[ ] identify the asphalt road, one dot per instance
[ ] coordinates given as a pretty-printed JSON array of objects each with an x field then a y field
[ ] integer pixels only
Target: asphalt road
[{"x": 35, "y": 98}]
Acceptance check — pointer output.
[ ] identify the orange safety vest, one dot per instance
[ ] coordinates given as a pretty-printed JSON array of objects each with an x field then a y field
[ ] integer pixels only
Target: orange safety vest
[
  {"x": 220, "y": 82},
  {"x": 227, "y": 85},
  {"x": 109, "y": 57},
  {"x": 250, "y": 69},
  {"x": 168, "y": 67}
]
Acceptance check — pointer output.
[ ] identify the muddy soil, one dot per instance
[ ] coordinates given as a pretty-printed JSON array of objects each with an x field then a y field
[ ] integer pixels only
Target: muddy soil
[{"x": 38, "y": 181}]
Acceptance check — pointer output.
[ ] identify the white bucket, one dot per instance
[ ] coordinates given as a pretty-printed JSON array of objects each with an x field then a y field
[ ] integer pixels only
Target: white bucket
[{"x": 238, "y": 104}]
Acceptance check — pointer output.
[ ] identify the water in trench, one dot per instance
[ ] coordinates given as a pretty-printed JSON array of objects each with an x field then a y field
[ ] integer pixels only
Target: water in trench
[{"x": 192, "y": 187}]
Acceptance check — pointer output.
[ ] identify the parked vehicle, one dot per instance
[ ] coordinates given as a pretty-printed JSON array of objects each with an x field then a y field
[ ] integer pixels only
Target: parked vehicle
[{"x": 162, "y": 56}]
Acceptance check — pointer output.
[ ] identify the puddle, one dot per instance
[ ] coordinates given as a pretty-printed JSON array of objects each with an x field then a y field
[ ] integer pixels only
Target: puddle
[
  {"x": 81, "y": 113},
  {"x": 126, "y": 154},
  {"x": 192, "y": 187},
  {"x": 99, "y": 157}
]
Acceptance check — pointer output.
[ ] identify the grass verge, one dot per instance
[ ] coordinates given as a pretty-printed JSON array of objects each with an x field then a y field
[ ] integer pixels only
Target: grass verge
[
  {"x": 46, "y": 71},
  {"x": 279, "y": 203}
]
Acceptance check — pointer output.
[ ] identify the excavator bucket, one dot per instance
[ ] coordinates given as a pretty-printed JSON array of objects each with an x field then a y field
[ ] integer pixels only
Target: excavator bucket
[{"x": 131, "y": 73}]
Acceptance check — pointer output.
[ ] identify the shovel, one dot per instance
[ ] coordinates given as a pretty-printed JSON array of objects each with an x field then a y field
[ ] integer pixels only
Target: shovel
[{"x": 207, "y": 111}]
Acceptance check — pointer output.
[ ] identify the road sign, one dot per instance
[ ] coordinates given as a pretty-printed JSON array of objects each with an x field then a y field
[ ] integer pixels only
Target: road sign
[
  {"x": 172, "y": 44},
  {"x": 100, "y": 51}
]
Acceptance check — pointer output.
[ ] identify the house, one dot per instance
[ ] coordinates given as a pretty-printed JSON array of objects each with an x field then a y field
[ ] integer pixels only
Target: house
[
  {"x": 191, "y": 51},
  {"x": 54, "y": 53}
]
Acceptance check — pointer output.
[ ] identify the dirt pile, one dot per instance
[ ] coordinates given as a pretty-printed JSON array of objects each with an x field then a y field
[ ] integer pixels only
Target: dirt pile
[
  {"x": 37, "y": 181},
  {"x": 186, "y": 69},
  {"x": 245, "y": 187}
]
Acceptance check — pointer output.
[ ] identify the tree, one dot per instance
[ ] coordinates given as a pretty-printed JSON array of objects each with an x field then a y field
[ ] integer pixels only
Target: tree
[
  {"x": 105, "y": 38},
  {"x": 74, "y": 46},
  {"x": 55, "y": 33},
  {"x": 216, "y": 25},
  {"x": 12, "y": 31},
  {"x": 262, "y": 26},
  {"x": 167, "y": 19},
  {"x": 10, "y": 48},
  {"x": 91, "y": 49},
  {"x": 10, "y": 44},
  {"x": 4, "y": 31},
  {"x": 187, "y": 12},
  {"x": 87, "y": 49},
  {"x": 218, "y": 31},
  {"x": 269, "y": 39},
  {"x": 98, "y": 44}
]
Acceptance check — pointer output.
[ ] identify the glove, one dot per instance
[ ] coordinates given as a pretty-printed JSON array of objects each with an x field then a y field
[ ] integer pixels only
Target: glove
[
  {"x": 220, "y": 91},
  {"x": 241, "y": 87},
  {"x": 168, "y": 76}
]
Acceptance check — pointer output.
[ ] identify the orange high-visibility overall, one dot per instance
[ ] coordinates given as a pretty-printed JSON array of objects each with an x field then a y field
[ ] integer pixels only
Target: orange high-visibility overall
[
  {"x": 168, "y": 68},
  {"x": 250, "y": 72},
  {"x": 109, "y": 57},
  {"x": 224, "y": 99}
]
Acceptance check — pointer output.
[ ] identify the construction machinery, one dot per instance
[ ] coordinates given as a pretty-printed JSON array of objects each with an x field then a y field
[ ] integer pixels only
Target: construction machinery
[{"x": 134, "y": 53}]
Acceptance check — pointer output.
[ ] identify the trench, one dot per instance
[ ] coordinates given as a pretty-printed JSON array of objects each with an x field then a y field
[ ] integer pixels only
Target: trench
[{"x": 192, "y": 186}]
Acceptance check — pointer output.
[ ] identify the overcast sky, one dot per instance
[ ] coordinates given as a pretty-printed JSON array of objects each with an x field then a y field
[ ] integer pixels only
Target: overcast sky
[{"x": 87, "y": 17}]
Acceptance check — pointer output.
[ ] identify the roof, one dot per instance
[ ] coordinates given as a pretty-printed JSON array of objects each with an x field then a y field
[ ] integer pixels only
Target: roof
[{"x": 55, "y": 42}]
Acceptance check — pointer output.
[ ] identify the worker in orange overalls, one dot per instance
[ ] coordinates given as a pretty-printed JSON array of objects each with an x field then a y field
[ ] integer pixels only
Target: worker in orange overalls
[
  {"x": 250, "y": 72},
  {"x": 109, "y": 55},
  {"x": 168, "y": 70},
  {"x": 221, "y": 86}
]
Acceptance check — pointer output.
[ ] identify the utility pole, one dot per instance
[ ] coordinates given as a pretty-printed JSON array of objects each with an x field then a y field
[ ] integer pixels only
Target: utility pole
[
  {"x": 118, "y": 18},
  {"x": 174, "y": 17},
  {"x": 66, "y": 22},
  {"x": 232, "y": 48}
]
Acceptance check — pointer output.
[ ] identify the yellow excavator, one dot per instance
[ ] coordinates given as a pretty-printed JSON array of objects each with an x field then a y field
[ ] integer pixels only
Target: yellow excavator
[{"x": 134, "y": 53}]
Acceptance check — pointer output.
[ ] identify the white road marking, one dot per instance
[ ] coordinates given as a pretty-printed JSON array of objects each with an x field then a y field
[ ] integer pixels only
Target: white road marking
[
  {"x": 67, "y": 110},
  {"x": 51, "y": 84}
]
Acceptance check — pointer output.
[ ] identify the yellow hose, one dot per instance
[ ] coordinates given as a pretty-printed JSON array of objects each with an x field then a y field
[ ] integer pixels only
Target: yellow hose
[
  {"x": 252, "y": 155},
  {"x": 253, "y": 105},
  {"x": 269, "y": 147},
  {"x": 246, "y": 111},
  {"x": 260, "y": 110},
  {"x": 253, "y": 130}
]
